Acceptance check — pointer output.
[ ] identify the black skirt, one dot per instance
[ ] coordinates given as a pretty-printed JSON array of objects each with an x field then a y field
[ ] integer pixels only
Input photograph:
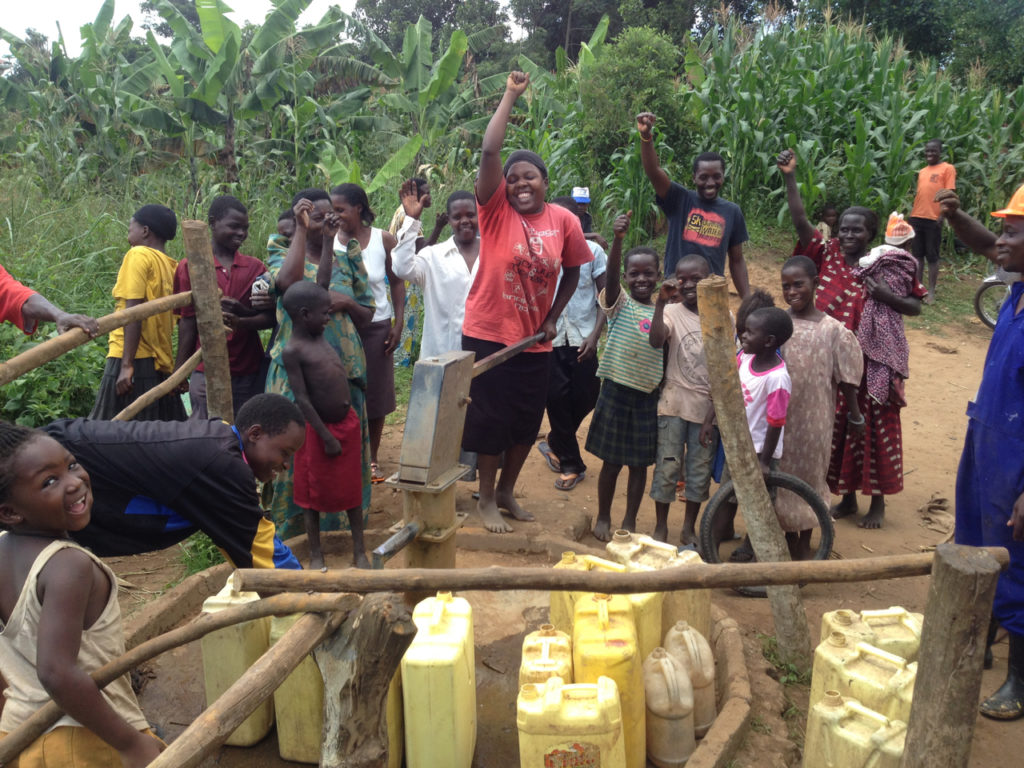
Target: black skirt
[{"x": 507, "y": 402}]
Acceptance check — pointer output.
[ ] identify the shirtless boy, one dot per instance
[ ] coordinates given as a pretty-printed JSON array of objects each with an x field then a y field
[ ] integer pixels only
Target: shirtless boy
[{"x": 328, "y": 468}]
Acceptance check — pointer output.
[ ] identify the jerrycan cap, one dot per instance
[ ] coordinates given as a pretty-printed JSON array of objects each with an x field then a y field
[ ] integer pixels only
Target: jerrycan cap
[
  {"x": 547, "y": 630},
  {"x": 681, "y": 626},
  {"x": 658, "y": 653},
  {"x": 622, "y": 536},
  {"x": 832, "y": 699},
  {"x": 843, "y": 616},
  {"x": 530, "y": 692},
  {"x": 837, "y": 639},
  {"x": 568, "y": 557}
]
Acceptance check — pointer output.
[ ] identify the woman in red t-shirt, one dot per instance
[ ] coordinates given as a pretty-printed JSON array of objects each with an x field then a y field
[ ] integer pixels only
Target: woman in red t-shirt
[{"x": 524, "y": 244}]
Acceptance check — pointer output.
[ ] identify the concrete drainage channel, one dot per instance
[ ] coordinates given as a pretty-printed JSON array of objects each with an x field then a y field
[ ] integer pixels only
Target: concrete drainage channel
[{"x": 174, "y": 692}]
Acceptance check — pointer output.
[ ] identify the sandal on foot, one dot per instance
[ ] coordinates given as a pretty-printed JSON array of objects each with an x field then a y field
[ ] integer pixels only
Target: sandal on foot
[
  {"x": 744, "y": 553},
  {"x": 569, "y": 480},
  {"x": 545, "y": 450},
  {"x": 376, "y": 476}
]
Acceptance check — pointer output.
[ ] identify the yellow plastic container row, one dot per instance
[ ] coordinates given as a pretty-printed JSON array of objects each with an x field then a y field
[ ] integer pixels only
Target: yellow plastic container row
[
  {"x": 669, "y": 695},
  {"x": 563, "y": 726},
  {"x": 692, "y": 650},
  {"x": 646, "y": 607},
  {"x": 843, "y": 733},
  {"x": 298, "y": 703},
  {"x": 879, "y": 680},
  {"x": 604, "y": 645},
  {"x": 439, "y": 685},
  {"x": 895, "y": 630},
  {"x": 642, "y": 553},
  {"x": 228, "y": 653}
]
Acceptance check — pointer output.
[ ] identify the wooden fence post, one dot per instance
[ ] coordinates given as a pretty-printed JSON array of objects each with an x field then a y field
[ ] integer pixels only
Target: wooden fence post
[
  {"x": 792, "y": 632},
  {"x": 945, "y": 704},
  {"x": 209, "y": 319}
]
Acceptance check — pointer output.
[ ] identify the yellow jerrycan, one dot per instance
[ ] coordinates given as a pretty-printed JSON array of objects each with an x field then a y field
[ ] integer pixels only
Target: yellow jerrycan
[
  {"x": 843, "y": 733},
  {"x": 570, "y": 725},
  {"x": 849, "y": 623},
  {"x": 669, "y": 695},
  {"x": 298, "y": 703},
  {"x": 646, "y": 607},
  {"x": 560, "y": 614},
  {"x": 546, "y": 653},
  {"x": 642, "y": 553},
  {"x": 439, "y": 685},
  {"x": 692, "y": 650},
  {"x": 895, "y": 630},
  {"x": 228, "y": 653},
  {"x": 604, "y": 644},
  {"x": 881, "y": 681}
]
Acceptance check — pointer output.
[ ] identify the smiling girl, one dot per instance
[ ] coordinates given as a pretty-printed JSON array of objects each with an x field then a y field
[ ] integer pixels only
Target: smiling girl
[
  {"x": 823, "y": 356},
  {"x": 59, "y": 615},
  {"x": 523, "y": 244},
  {"x": 624, "y": 427}
]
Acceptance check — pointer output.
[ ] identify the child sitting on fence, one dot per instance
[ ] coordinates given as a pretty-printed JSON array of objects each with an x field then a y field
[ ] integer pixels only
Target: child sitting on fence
[
  {"x": 766, "y": 387},
  {"x": 685, "y": 410},
  {"x": 623, "y": 429},
  {"x": 140, "y": 355},
  {"x": 59, "y": 615},
  {"x": 328, "y": 467}
]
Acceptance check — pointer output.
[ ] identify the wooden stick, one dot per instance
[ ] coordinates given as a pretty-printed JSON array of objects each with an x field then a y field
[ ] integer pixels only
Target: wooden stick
[
  {"x": 212, "y": 728},
  {"x": 202, "y": 272},
  {"x": 792, "y": 632},
  {"x": 165, "y": 387},
  {"x": 494, "y": 578},
  {"x": 945, "y": 706},
  {"x": 279, "y": 605},
  {"x": 75, "y": 337},
  {"x": 499, "y": 357},
  {"x": 357, "y": 664}
]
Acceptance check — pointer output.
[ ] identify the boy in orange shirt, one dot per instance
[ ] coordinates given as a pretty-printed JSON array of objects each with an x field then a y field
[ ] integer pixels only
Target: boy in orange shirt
[{"x": 925, "y": 218}]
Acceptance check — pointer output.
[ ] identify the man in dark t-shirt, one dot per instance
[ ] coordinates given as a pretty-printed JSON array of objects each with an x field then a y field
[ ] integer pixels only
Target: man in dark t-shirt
[
  {"x": 699, "y": 221},
  {"x": 155, "y": 483}
]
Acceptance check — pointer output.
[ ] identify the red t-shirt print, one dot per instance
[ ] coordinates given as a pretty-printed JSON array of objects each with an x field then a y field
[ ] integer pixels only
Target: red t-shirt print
[{"x": 704, "y": 228}]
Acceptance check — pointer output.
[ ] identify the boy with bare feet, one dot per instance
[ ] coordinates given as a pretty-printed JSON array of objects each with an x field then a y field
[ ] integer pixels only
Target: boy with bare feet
[
  {"x": 328, "y": 468},
  {"x": 685, "y": 411}
]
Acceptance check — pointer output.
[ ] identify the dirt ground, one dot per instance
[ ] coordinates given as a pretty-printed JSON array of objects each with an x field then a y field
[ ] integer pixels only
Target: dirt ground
[{"x": 945, "y": 371}]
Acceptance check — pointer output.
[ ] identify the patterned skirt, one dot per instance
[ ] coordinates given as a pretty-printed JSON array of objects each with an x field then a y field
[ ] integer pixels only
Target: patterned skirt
[
  {"x": 872, "y": 463},
  {"x": 624, "y": 427}
]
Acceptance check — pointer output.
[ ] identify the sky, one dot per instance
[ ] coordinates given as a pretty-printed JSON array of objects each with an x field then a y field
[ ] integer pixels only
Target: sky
[{"x": 18, "y": 15}]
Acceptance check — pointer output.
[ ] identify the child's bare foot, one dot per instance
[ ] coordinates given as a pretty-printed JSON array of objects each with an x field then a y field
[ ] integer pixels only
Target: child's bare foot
[
  {"x": 688, "y": 536},
  {"x": 359, "y": 560},
  {"x": 316, "y": 562},
  {"x": 845, "y": 508},
  {"x": 661, "y": 533},
  {"x": 507, "y": 502},
  {"x": 876, "y": 514},
  {"x": 602, "y": 530},
  {"x": 492, "y": 519}
]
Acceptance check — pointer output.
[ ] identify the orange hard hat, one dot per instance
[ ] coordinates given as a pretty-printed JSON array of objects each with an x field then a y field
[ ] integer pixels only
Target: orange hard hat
[{"x": 1015, "y": 206}]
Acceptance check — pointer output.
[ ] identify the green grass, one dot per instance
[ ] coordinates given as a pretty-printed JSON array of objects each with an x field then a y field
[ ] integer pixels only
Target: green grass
[
  {"x": 198, "y": 553},
  {"x": 788, "y": 674},
  {"x": 403, "y": 386}
]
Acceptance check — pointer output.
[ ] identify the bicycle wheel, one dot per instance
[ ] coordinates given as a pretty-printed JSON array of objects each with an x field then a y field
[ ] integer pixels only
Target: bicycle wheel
[
  {"x": 989, "y": 299},
  {"x": 709, "y": 546}
]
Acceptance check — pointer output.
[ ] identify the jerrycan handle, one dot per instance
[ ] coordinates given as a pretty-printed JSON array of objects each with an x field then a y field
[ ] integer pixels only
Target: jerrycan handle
[
  {"x": 602, "y": 611},
  {"x": 863, "y": 649},
  {"x": 886, "y": 613},
  {"x": 671, "y": 682},
  {"x": 867, "y": 714}
]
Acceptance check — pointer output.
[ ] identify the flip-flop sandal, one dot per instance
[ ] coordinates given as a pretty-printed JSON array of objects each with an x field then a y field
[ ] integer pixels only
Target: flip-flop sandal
[
  {"x": 566, "y": 482},
  {"x": 549, "y": 457},
  {"x": 376, "y": 476}
]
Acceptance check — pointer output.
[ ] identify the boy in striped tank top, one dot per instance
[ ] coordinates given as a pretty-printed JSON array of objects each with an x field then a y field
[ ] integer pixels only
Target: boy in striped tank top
[{"x": 624, "y": 428}]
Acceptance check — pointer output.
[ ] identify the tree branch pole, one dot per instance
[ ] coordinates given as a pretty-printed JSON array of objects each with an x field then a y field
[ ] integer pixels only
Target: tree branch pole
[
  {"x": 495, "y": 578},
  {"x": 51, "y": 349},
  {"x": 165, "y": 387},
  {"x": 202, "y": 272},
  {"x": 278, "y": 605},
  {"x": 791, "y": 630},
  {"x": 945, "y": 705},
  {"x": 213, "y": 726}
]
